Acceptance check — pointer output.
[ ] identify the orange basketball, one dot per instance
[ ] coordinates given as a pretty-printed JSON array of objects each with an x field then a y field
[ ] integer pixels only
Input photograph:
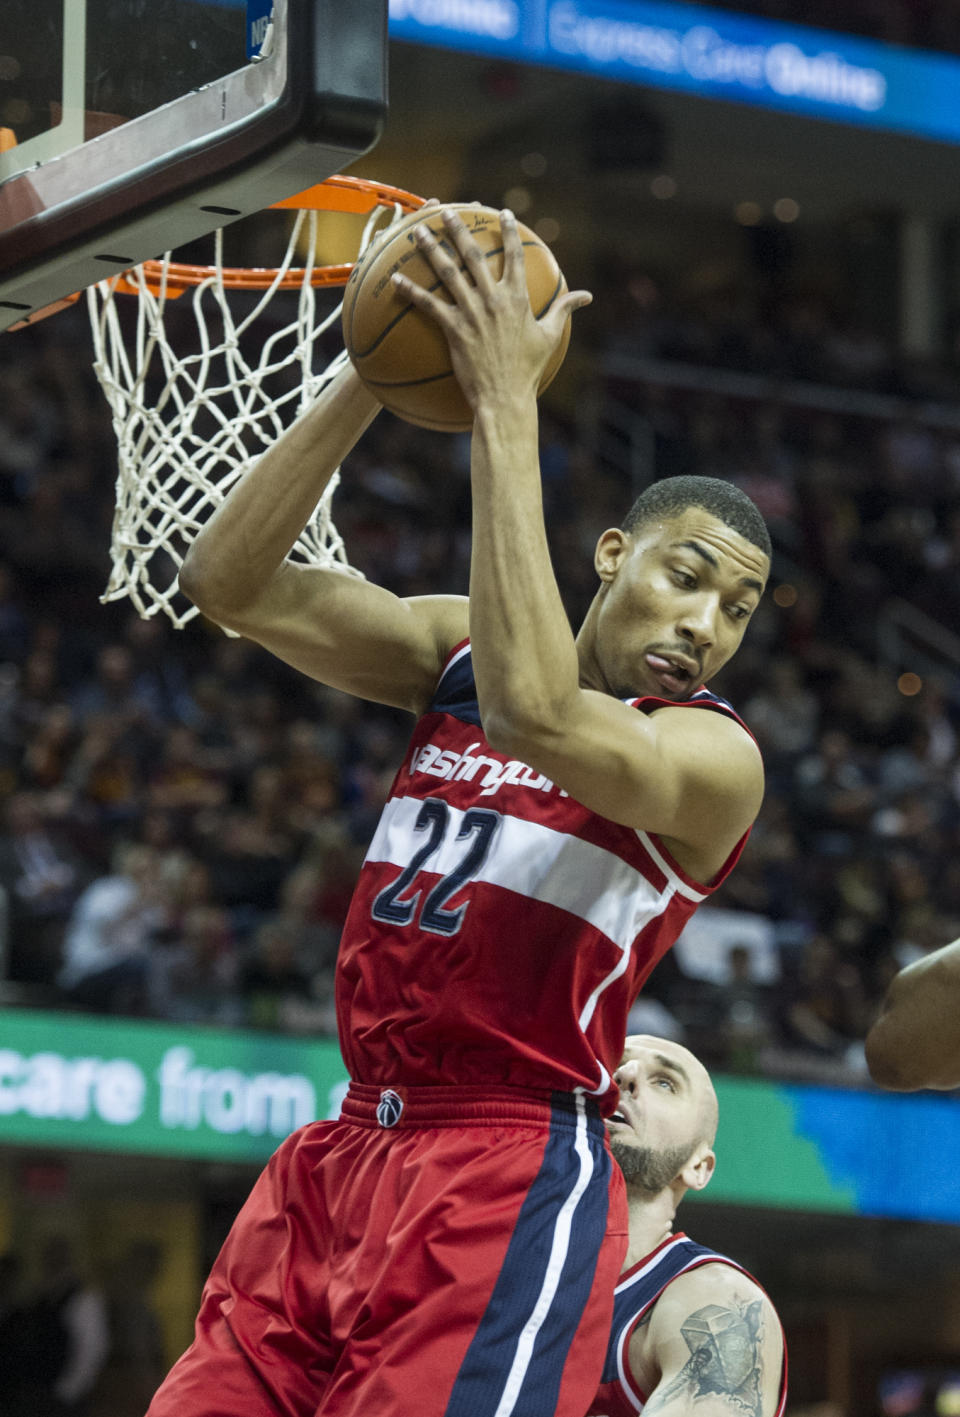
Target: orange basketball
[{"x": 400, "y": 353}]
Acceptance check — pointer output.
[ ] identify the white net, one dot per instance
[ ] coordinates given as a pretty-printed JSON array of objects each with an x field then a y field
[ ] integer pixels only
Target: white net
[{"x": 199, "y": 387}]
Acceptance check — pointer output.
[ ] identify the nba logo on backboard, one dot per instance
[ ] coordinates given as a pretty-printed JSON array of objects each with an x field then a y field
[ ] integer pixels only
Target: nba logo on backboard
[
  {"x": 389, "y": 1108},
  {"x": 258, "y": 22}
]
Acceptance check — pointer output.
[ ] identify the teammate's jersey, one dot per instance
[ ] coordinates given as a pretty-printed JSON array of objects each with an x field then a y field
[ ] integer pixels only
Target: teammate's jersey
[
  {"x": 639, "y": 1288},
  {"x": 500, "y": 931}
]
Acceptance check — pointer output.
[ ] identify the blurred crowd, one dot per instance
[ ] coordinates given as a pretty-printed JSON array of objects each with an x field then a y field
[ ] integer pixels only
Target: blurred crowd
[
  {"x": 184, "y": 816},
  {"x": 75, "y": 1345}
]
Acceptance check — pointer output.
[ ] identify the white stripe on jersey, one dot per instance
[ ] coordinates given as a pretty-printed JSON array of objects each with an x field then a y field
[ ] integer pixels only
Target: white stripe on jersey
[
  {"x": 678, "y": 882},
  {"x": 455, "y": 659},
  {"x": 623, "y": 1368},
  {"x": 538, "y": 862},
  {"x": 626, "y": 1379},
  {"x": 656, "y": 1258}
]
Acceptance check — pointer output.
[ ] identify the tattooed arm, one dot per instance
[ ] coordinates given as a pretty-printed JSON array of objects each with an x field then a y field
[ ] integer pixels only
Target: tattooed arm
[{"x": 713, "y": 1348}]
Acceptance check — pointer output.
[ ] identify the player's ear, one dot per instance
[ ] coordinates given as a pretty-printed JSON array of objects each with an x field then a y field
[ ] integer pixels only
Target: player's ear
[
  {"x": 611, "y": 550},
  {"x": 698, "y": 1170}
]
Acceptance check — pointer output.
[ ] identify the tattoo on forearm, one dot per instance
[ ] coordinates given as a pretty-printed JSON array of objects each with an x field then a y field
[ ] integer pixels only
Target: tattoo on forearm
[{"x": 725, "y": 1359}]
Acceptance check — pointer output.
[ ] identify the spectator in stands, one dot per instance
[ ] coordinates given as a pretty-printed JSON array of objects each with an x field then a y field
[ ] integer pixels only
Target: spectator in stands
[
  {"x": 783, "y": 714},
  {"x": 194, "y": 973},
  {"x": 108, "y": 938},
  {"x": 743, "y": 1012},
  {"x": 116, "y": 693},
  {"x": 272, "y": 977},
  {"x": 66, "y": 1336},
  {"x": 824, "y": 1009},
  {"x": 42, "y": 876}
]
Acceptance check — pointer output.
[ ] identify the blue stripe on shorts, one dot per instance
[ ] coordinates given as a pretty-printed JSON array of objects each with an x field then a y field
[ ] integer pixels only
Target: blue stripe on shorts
[{"x": 515, "y": 1362}]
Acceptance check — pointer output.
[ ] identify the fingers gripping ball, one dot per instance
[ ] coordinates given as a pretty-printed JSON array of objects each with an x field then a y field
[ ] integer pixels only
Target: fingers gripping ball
[{"x": 398, "y": 351}]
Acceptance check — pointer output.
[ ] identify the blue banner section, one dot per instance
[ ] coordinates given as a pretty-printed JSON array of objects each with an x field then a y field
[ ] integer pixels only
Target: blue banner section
[
  {"x": 897, "y": 1154},
  {"x": 712, "y": 53}
]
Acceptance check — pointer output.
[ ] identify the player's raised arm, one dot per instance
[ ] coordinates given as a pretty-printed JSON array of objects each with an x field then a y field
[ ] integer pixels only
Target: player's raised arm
[
  {"x": 717, "y": 1347},
  {"x": 677, "y": 591},
  {"x": 334, "y": 627},
  {"x": 915, "y": 1041}
]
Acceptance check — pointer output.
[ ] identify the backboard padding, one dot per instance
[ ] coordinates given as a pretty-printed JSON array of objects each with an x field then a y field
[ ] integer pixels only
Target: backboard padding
[{"x": 249, "y": 137}]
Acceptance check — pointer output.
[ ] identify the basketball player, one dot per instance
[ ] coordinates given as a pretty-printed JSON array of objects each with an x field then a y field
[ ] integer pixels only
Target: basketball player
[
  {"x": 915, "y": 1041},
  {"x": 692, "y": 1331},
  {"x": 449, "y": 1246}
]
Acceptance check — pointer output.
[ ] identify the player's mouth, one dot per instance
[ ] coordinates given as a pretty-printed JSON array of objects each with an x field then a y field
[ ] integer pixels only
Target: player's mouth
[
  {"x": 617, "y": 1119},
  {"x": 673, "y": 672}
]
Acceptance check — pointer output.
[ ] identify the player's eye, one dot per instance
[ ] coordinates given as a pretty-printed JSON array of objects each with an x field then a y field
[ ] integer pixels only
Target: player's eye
[{"x": 684, "y": 578}]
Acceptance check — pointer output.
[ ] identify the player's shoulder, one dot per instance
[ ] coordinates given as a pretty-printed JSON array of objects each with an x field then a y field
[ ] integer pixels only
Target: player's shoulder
[
  {"x": 703, "y": 711},
  {"x": 716, "y": 1275},
  {"x": 714, "y": 737},
  {"x": 716, "y": 1294}
]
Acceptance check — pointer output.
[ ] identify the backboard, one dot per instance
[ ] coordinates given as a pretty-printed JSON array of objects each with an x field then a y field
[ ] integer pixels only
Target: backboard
[{"x": 130, "y": 127}]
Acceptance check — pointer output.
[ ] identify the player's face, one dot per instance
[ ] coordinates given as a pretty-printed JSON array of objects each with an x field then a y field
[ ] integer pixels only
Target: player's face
[
  {"x": 665, "y": 1113},
  {"x": 678, "y": 596}
]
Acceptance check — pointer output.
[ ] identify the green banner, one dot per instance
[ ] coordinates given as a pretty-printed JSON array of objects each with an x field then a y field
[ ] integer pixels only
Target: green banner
[
  {"x": 117, "y": 1085},
  {"x": 70, "y": 1080},
  {"x": 763, "y": 1158}
]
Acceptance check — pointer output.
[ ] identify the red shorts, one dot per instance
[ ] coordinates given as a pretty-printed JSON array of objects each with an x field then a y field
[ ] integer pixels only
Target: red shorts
[{"x": 456, "y": 1260}]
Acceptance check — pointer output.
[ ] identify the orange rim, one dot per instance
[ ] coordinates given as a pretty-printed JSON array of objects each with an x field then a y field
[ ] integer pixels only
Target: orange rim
[
  {"x": 351, "y": 194},
  {"x": 354, "y": 195}
]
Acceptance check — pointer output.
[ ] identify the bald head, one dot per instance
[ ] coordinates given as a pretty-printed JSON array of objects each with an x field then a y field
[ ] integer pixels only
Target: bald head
[
  {"x": 689, "y": 1071},
  {"x": 663, "y": 1132}
]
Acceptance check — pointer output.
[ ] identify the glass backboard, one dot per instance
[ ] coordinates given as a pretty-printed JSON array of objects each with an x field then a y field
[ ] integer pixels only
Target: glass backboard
[{"x": 129, "y": 127}]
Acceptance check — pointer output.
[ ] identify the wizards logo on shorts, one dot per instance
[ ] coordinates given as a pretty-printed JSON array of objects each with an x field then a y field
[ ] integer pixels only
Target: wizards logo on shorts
[{"x": 389, "y": 1108}]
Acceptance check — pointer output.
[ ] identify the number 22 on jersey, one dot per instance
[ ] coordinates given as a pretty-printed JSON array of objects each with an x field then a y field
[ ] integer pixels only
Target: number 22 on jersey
[{"x": 477, "y": 830}]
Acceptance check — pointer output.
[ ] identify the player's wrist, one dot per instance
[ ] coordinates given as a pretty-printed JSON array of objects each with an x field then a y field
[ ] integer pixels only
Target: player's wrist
[
  {"x": 349, "y": 384},
  {"x": 509, "y": 410}
]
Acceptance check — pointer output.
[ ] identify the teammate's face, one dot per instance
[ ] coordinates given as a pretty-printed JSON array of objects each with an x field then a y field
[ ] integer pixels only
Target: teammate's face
[
  {"x": 678, "y": 595},
  {"x": 667, "y": 1113}
]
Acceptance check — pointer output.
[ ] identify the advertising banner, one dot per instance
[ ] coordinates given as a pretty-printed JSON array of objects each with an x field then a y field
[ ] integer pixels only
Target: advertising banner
[
  {"x": 713, "y": 53},
  {"x": 117, "y": 1085},
  {"x": 68, "y": 1080}
]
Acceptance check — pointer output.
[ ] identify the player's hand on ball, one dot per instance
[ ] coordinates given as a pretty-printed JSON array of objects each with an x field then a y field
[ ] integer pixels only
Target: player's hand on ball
[
  {"x": 498, "y": 348},
  {"x": 400, "y": 345}
]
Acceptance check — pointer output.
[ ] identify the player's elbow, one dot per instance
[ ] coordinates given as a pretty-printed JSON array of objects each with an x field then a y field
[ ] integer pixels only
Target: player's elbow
[
  {"x": 899, "y": 1063},
  {"x": 516, "y": 734},
  {"x": 204, "y": 587},
  {"x": 501, "y": 732},
  {"x": 886, "y": 1066}
]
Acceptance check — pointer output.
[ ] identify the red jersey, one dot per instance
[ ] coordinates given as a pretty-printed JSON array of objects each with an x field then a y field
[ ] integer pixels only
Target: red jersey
[{"x": 500, "y": 931}]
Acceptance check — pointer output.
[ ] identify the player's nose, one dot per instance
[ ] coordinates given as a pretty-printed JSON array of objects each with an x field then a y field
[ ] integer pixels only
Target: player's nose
[
  {"x": 625, "y": 1077},
  {"x": 697, "y": 624}
]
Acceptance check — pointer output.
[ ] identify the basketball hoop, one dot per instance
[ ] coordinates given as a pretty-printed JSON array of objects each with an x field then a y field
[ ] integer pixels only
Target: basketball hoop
[{"x": 190, "y": 423}]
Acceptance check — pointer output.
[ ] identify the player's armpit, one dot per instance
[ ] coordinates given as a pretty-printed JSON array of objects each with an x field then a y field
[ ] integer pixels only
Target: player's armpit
[
  {"x": 692, "y": 776},
  {"x": 717, "y": 1346},
  {"x": 355, "y": 635}
]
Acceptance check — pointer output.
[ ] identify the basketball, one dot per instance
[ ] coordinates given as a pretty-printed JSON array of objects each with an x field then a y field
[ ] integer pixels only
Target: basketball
[{"x": 400, "y": 353}]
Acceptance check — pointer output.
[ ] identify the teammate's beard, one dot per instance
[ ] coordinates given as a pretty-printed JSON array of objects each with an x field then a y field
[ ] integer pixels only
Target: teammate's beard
[{"x": 648, "y": 1170}]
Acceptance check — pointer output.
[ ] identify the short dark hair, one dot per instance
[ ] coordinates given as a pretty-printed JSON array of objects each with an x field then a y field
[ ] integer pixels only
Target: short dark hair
[{"x": 723, "y": 500}]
